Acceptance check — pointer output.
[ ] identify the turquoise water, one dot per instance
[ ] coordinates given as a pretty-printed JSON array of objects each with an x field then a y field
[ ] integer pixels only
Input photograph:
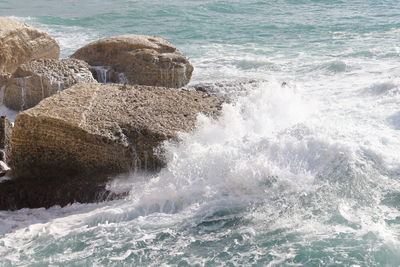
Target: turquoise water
[{"x": 305, "y": 174}]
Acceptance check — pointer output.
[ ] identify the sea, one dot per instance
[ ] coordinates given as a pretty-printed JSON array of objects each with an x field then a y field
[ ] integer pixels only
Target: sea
[{"x": 301, "y": 169}]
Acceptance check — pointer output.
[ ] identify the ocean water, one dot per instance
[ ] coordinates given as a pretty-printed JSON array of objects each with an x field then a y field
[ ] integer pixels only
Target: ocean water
[{"x": 301, "y": 169}]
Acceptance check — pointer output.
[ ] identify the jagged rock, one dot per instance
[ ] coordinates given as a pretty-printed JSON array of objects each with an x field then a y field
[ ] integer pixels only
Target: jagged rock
[
  {"x": 99, "y": 128},
  {"x": 139, "y": 59},
  {"x": 38, "y": 79},
  {"x": 21, "y": 43},
  {"x": 5, "y": 139}
]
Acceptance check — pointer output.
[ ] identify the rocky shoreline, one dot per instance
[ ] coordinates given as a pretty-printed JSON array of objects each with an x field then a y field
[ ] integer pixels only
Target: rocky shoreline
[{"x": 75, "y": 132}]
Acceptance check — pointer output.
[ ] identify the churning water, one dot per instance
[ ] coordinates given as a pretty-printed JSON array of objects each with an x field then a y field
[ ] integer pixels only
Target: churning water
[{"x": 302, "y": 169}]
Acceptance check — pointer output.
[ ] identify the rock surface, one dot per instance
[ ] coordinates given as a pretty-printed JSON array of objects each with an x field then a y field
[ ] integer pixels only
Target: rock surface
[
  {"x": 17, "y": 194},
  {"x": 4, "y": 79},
  {"x": 38, "y": 79},
  {"x": 5, "y": 139},
  {"x": 21, "y": 43},
  {"x": 99, "y": 128},
  {"x": 143, "y": 60}
]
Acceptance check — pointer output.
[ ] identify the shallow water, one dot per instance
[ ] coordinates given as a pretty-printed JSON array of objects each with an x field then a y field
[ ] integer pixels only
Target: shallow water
[{"x": 305, "y": 174}]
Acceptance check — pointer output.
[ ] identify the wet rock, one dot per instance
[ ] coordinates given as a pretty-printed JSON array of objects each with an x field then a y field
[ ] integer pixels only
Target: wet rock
[
  {"x": 108, "y": 75},
  {"x": 227, "y": 88},
  {"x": 99, "y": 128},
  {"x": 4, "y": 79},
  {"x": 21, "y": 43},
  {"x": 38, "y": 79},
  {"x": 17, "y": 194},
  {"x": 138, "y": 59},
  {"x": 5, "y": 139}
]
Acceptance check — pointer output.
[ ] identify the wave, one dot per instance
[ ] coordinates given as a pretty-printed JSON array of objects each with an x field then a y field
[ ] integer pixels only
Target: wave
[
  {"x": 382, "y": 88},
  {"x": 262, "y": 173}
]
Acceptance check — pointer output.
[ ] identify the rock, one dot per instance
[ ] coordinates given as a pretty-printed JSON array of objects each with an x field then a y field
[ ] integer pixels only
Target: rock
[
  {"x": 4, "y": 79},
  {"x": 21, "y": 43},
  {"x": 227, "y": 88},
  {"x": 38, "y": 79},
  {"x": 5, "y": 139},
  {"x": 99, "y": 128},
  {"x": 17, "y": 194},
  {"x": 139, "y": 59}
]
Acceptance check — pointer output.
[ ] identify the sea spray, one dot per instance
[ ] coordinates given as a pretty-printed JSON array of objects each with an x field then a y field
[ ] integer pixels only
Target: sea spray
[
  {"x": 59, "y": 89},
  {"x": 21, "y": 82},
  {"x": 122, "y": 78},
  {"x": 2, "y": 91},
  {"x": 101, "y": 73},
  {"x": 4, "y": 111},
  {"x": 41, "y": 87}
]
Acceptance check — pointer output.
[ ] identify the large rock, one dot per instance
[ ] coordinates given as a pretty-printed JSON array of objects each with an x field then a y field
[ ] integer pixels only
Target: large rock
[
  {"x": 138, "y": 59},
  {"x": 112, "y": 128},
  {"x": 21, "y": 43},
  {"x": 38, "y": 79}
]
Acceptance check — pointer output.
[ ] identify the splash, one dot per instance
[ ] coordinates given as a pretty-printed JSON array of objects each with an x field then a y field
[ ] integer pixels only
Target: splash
[
  {"x": 122, "y": 78},
  {"x": 4, "y": 111},
  {"x": 21, "y": 82},
  {"x": 101, "y": 73}
]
